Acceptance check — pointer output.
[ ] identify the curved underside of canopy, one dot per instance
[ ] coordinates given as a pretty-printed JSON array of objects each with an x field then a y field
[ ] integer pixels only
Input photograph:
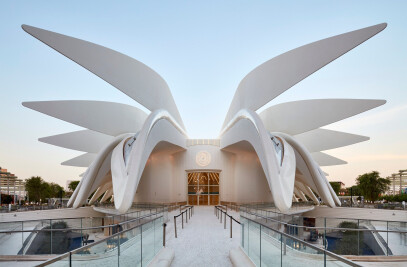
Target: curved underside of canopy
[
  {"x": 84, "y": 160},
  {"x": 83, "y": 140},
  {"x": 100, "y": 116},
  {"x": 324, "y": 139},
  {"x": 302, "y": 116}
]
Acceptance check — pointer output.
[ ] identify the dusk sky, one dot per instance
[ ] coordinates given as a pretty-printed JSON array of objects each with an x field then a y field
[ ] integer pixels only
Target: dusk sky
[{"x": 203, "y": 50}]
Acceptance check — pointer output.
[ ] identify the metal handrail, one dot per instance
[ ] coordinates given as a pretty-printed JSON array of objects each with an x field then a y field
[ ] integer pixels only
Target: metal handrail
[
  {"x": 327, "y": 228},
  {"x": 92, "y": 244},
  {"x": 327, "y": 252},
  {"x": 102, "y": 217},
  {"x": 219, "y": 208},
  {"x": 248, "y": 206},
  {"x": 188, "y": 208},
  {"x": 78, "y": 229}
]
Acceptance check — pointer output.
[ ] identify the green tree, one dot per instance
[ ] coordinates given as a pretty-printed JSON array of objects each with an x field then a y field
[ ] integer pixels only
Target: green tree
[
  {"x": 39, "y": 190},
  {"x": 371, "y": 185},
  {"x": 34, "y": 187},
  {"x": 355, "y": 190},
  {"x": 72, "y": 185},
  {"x": 56, "y": 190},
  {"x": 336, "y": 186}
]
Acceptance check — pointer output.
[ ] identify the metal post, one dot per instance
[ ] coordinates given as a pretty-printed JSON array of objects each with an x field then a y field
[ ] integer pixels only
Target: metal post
[
  {"x": 242, "y": 234},
  {"x": 325, "y": 245},
  {"x": 260, "y": 244},
  {"x": 175, "y": 226},
  {"x": 221, "y": 217},
  {"x": 164, "y": 225},
  {"x": 351, "y": 197},
  {"x": 387, "y": 241},
  {"x": 285, "y": 244},
  {"x": 50, "y": 224},
  {"x": 186, "y": 216},
  {"x": 358, "y": 239},
  {"x": 231, "y": 227},
  {"x": 141, "y": 244},
  {"x": 22, "y": 234},
  {"x": 118, "y": 250},
  {"x": 182, "y": 217},
  {"x": 224, "y": 222}
]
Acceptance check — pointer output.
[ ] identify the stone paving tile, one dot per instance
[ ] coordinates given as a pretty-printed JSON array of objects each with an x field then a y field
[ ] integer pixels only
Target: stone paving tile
[{"x": 203, "y": 241}]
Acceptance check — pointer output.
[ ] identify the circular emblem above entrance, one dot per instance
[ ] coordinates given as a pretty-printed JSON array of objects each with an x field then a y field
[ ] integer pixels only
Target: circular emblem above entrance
[{"x": 203, "y": 158}]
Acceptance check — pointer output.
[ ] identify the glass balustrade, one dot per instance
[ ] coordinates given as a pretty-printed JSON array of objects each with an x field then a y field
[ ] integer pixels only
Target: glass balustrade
[
  {"x": 38, "y": 237},
  {"x": 341, "y": 236},
  {"x": 269, "y": 247},
  {"x": 136, "y": 246}
]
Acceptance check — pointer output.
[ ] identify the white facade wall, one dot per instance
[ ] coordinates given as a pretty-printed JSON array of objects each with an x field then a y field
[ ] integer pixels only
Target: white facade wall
[{"x": 165, "y": 177}]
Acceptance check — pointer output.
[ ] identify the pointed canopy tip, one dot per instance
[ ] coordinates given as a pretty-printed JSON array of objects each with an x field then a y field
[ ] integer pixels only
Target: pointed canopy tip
[
  {"x": 26, "y": 104},
  {"x": 27, "y": 28},
  {"x": 383, "y": 25}
]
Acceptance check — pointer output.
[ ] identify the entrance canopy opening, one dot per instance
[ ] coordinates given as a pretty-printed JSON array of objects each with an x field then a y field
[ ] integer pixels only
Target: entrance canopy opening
[{"x": 203, "y": 188}]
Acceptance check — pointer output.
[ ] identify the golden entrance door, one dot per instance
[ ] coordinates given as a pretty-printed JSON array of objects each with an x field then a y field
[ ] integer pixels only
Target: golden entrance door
[{"x": 203, "y": 188}]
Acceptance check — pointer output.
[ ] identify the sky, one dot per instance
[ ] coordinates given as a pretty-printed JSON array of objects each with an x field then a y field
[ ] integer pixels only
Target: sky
[{"x": 203, "y": 49}]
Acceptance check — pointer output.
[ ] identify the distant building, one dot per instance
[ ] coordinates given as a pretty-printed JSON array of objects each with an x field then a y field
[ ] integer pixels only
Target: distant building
[
  {"x": 11, "y": 185},
  {"x": 398, "y": 183},
  {"x": 342, "y": 189}
]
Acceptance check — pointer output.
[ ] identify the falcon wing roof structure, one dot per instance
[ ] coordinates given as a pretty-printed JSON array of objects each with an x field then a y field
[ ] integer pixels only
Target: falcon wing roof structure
[
  {"x": 287, "y": 138},
  {"x": 130, "y": 76},
  {"x": 277, "y": 75}
]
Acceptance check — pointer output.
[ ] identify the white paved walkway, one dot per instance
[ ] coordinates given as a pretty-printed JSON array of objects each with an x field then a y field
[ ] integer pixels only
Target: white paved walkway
[{"x": 203, "y": 241}]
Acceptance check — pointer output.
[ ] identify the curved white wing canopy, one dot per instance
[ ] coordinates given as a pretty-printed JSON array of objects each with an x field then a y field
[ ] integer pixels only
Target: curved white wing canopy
[
  {"x": 83, "y": 160},
  {"x": 159, "y": 127},
  {"x": 275, "y": 76},
  {"x": 123, "y": 72},
  {"x": 323, "y": 139},
  {"x": 326, "y": 160},
  {"x": 83, "y": 140},
  {"x": 301, "y": 116},
  {"x": 96, "y": 174},
  {"x": 311, "y": 174},
  {"x": 104, "y": 117},
  {"x": 247, "y": 126}
]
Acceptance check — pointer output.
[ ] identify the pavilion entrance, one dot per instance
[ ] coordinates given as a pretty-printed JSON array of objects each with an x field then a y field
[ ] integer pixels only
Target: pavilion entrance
[{"x": 203, "y": 188}]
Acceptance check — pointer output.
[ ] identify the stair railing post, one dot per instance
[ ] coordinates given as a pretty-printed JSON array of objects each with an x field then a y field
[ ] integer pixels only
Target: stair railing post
[
  {"x": 230, "y": 227},
  {"x": 164, "y": 226},
  {"x": 175, "y": 226}
]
